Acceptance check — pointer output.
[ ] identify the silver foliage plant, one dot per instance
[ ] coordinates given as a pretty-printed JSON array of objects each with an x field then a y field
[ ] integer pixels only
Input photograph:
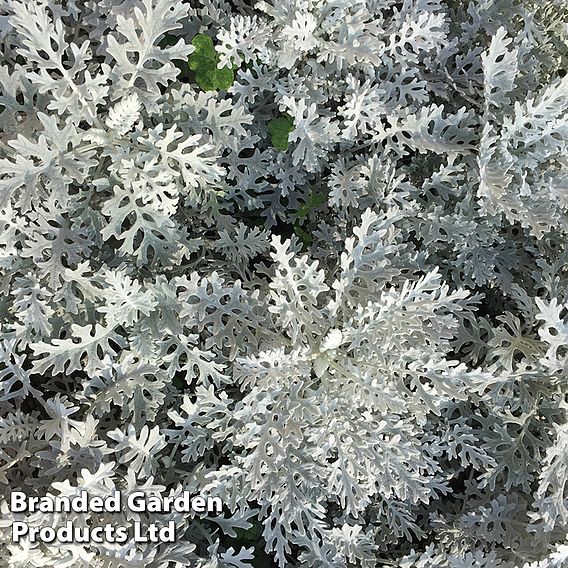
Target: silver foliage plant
[{"x": 360, "y": 343}]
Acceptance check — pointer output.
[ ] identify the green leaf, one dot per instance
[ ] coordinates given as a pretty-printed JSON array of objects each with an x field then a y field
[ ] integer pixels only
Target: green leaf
[
  {"x": 314, "y": 201},
  {"x": 224, "y": 78},
  {"x": 204, "y": 77},
  {"x": 204, "y": 61},
  {"x": 204, "y": 52},
  {"x": 279, "y": 130},
  {"x": 306, "y": 238}
]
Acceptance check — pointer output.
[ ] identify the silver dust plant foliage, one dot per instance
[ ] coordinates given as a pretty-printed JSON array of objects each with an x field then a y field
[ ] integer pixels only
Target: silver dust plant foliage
[{"x": 307, "y": 256}]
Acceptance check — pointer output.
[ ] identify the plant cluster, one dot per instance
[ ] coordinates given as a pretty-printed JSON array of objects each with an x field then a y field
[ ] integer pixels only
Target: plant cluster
[{"x": 308, "y": 256}]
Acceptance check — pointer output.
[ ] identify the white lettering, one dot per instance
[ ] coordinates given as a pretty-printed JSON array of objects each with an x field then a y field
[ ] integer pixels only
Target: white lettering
[
  {"x": 96, "y": 504},
  {"x": 19, "y": 529},
  {"x": 214, "y": 505},
  {"x": 137, "y": 502},
  {"x": 112, "y": 503},
  {"x": 18, "y": 502},
  {"x": 198, "y": 504}
]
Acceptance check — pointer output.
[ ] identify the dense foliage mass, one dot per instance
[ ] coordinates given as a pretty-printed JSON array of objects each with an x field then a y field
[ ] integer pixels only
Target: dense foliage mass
[{"x": 305, "y": 255}]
